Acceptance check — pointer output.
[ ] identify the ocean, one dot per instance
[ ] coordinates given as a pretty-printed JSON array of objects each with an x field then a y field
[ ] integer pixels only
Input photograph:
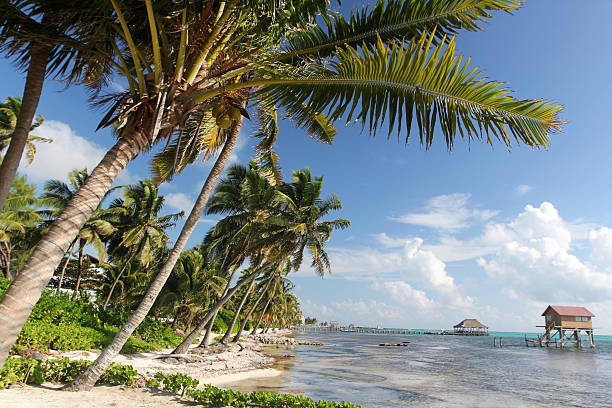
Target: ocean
[{"x": 441, "y": 371}]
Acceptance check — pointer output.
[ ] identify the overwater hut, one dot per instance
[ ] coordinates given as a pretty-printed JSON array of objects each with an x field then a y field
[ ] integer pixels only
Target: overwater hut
[
  {"x": 471, "y": 327},
  {"x": 564, "y": 324}
]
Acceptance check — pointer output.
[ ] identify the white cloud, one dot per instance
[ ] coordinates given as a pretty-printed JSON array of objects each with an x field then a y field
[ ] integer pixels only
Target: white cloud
[
  {"x": 601, "y": 244},
  {"x": 535, "y": 261},
  {"x": 406, "y": 295},
  {"x": 447, "y": 212},
  {"x": 67, "y": 152},
  {"x": 180, "y": 202},
  {"x": 523, "y": 189},
  {"x": 411, "y": 263}
]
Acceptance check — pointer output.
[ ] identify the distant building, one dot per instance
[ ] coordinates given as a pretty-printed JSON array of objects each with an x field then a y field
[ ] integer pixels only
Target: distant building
[
  {"x": 334, "y": 324},
  {"x": 471, "y": 327},
  {"x": 564, "y": 324},
  {"x": 301, "y": 318}
]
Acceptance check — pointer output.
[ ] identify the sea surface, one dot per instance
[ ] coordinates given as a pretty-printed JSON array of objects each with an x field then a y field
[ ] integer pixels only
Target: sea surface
[{"x": 441, "y": 371}]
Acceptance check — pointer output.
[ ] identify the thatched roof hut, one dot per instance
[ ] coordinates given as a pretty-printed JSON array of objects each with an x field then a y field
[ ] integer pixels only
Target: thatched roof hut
[{"x": 471, "y": 326}]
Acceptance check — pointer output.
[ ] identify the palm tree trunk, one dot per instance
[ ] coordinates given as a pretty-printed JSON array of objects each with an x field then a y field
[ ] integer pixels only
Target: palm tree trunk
[
  {"x": 228, "y": 332},
  {"x": 184, "y": 346},
  {"x": 112, "y": 288},
  {"x": 88, "y": 378},
  {"x": 206, "y": 340},
  {"x": 61, "y": 278},
  {"x": 78, "y": 282},
  {"x": 248, "y": 316},
  {"x": 37, "y": 68},
  {"x": 24, "y": 292},
  {"x": 263, "y": 313},
  {"x": 174, "y": 321},
  {"x": 6, "y": 260}
]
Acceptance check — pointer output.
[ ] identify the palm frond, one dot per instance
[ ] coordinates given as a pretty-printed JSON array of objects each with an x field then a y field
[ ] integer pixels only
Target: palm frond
[
  {"x": 393, "y": 20},
  {"x": 423, "y": 80}
]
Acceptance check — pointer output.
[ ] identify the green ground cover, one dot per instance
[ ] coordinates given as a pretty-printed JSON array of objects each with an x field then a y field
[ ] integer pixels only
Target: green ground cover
[
  {"x": 61, "y": 323},
  {"x": 34, "y": 371}
]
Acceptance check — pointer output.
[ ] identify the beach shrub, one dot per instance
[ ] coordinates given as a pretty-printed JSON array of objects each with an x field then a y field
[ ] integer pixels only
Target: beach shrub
[
  {"x": 4, "y": 284},
  {"x": 35, "y": 371},
  {"x": 117, "y": 374},
  {"x": 60, "y": 323},
  {"x": 176, "y": 383}
]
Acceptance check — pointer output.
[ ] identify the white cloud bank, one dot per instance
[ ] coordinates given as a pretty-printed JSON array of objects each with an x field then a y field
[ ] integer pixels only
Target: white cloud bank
[
  {"x": 68, "y": 151},
  {"x": 533, "y": 259},
  {"x": 536, "y": 260}
]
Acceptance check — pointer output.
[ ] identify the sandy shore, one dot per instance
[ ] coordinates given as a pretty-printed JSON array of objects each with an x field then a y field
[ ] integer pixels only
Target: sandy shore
[{"x": 224, "y": 364}]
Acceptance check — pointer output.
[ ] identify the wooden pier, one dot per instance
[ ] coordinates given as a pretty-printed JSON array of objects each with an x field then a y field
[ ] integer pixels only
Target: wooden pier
[
  {"x": 562, "y": 337},
  {"x": 373, "y": 330}
]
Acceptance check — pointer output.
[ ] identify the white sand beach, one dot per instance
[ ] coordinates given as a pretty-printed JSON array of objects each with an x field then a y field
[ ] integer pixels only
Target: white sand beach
[{"x": 221, "y": 365}]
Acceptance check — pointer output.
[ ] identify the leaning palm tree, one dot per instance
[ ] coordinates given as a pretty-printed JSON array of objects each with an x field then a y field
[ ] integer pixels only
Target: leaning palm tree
[
  {"x": 65, "y": 39},
  {"x": 141, "y": 231},
  {"x": 282, "y": 234},
  {"x": 9, "y": 112},
  {"x": 190, "y": 287},
  {"x": 187, "y": 62}
]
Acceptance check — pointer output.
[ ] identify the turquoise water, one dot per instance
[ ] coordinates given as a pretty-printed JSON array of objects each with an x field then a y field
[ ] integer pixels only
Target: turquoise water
[{"x": 441, "y": 371}]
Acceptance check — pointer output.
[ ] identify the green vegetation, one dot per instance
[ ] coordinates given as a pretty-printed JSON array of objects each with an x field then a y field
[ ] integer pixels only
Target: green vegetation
[
  {"x": 34, "y": 371},
  {"x": 61, "y": 323}
]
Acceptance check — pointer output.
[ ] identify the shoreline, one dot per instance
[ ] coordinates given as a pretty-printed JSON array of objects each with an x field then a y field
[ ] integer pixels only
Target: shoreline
[{"x": 218, "y": 366}]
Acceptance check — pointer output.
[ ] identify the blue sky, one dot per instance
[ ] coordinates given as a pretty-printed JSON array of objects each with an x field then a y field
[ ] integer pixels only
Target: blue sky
[{"x": 436, "y": 236}]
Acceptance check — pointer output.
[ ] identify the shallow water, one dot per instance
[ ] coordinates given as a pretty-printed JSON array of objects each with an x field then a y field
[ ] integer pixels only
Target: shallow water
[{"x": 441, "y": 371}]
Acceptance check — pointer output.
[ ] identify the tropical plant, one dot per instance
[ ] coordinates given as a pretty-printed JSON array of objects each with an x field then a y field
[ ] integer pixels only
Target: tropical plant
[
  {"x": 290, "y": 224},
  {"x": 393, "y": 58},
  {"x": 141, "y": 231},
  {"x": 9, "y": 112},
  {"x": 65, "y": 39},
  {"x": 56, "y": 196},
  {"x": 192, "y": 286},
  {"x": 21, "y": 214}
]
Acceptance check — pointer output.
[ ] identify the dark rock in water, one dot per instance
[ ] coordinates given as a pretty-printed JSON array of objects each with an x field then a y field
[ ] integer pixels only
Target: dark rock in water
[
  {"x": 393, "y": 344},
  {"x": 310, "y": 343}
]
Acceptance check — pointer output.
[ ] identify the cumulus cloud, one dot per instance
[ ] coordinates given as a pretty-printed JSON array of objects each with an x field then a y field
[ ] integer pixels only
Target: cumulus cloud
[
  {"x": 68, "y": 151},
  {"x": 404, "y": 294},
  {"x": 411, "y": 262},
  {"x": 536, "y": 260},
  {"x": 448, "y": 212}
]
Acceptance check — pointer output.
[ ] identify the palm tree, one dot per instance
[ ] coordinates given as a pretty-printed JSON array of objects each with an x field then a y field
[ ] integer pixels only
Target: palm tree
[
  {"x": 44, "y": 38},
  {"x": 20, "y": 214},
  {"x": 191, "y": 286},
  {"x": 281, "y": 233},
  {"x": 56, "y": 196},
  {"x": 263, "y": 291},
  {"x": 246, "y": 196},
  {"x": 141, "y": 231},
  {"x": 237, "y": 311},
  {"x": 203, "y": 72},
  {"x": 9, "y": 112}
]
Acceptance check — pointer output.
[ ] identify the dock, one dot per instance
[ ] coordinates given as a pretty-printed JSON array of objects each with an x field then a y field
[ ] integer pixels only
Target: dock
[{"x": 374, "y": 330}]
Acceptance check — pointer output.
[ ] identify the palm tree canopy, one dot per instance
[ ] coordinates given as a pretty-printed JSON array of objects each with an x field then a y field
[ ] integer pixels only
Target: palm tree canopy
[
  {"x": 142, "y": 231},
  {"x": 190, "y": 66},
  {"x": 9, "y": 111}
]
